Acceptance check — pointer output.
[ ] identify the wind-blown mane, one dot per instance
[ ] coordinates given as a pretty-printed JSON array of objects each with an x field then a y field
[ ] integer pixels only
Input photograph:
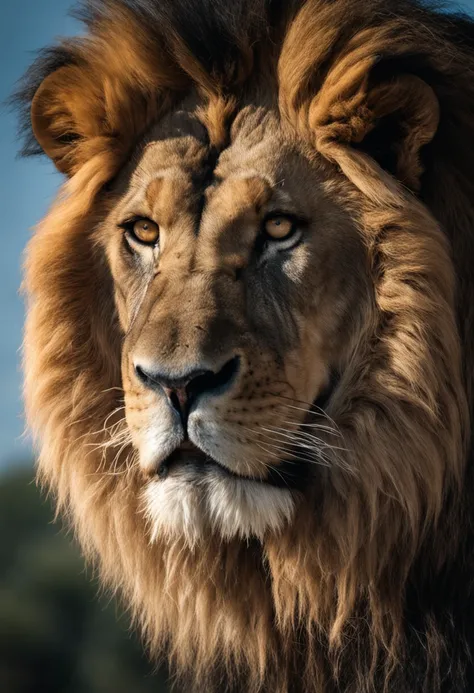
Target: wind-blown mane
[{"x": 375, "y": 593}]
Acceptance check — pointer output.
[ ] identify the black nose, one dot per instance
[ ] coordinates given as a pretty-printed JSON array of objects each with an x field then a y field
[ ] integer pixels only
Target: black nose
[{"x": 182, "y": 389}]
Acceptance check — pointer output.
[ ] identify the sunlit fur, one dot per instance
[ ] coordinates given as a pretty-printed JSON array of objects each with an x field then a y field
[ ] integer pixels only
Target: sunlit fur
[{"x": 366, "y": 585}]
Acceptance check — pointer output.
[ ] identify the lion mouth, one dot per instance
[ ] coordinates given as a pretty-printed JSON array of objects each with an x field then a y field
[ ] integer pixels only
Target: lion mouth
[
  {"x": 289, "y": 474},
  {"x": 189, "y": 455}
]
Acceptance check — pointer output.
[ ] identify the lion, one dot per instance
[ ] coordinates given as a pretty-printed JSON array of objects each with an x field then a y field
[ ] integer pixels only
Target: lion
[{"x": 249, "y": 340}]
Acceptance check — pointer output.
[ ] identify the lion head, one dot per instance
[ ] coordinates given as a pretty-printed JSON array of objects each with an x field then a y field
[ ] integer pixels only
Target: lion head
[{"x": 247, "y": 345}]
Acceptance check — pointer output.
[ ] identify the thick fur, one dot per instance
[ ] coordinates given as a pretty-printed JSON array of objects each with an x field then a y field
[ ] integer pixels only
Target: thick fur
[{"x": 366, "y": 585}]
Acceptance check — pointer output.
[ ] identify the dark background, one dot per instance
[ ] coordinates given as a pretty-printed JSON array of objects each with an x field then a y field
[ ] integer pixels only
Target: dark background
[{"x": 56, "y": 634}]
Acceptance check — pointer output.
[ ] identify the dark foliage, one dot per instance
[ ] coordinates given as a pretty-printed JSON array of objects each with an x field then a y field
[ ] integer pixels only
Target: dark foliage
[{"x": 55, "y": 635}]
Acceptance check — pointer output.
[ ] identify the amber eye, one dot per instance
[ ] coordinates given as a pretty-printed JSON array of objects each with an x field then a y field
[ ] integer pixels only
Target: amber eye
[
  {"x": 278, "y": 228},
  {"x": 145, "y": 231}
]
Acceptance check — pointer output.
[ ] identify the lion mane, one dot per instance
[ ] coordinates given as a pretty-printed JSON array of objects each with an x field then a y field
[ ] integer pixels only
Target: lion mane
[{"x": 369, "y": 587}]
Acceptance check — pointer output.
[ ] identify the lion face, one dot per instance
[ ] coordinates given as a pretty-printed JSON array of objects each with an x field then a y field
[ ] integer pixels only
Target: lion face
[{"x": 236, "y": 309}]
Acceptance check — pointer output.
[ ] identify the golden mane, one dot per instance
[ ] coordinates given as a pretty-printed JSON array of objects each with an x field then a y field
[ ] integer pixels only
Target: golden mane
[{"x": 370, "y": 590}]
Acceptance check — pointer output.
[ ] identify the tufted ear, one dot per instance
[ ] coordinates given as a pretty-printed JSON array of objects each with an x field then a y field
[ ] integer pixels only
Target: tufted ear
[
  {"x": 389, "y": 119},
  {"x": 366, "y": 101},
  {"x": 405, "y": 118},
  {"x": 67, "y": 117}
]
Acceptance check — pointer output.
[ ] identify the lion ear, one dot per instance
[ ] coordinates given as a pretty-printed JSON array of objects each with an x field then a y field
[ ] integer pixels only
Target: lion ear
[
  {"x": 390, "y": 120},
  {"x": 66, "y": 117},
  {"x": 403, "y": 118}
]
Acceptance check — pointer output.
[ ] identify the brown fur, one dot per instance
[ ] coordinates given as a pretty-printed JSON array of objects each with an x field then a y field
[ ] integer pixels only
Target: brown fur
[{"x": 321, "y": 605}]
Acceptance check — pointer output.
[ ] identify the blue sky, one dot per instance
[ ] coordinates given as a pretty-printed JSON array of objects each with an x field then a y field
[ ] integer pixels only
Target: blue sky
[{"x": 27, "y": 187}]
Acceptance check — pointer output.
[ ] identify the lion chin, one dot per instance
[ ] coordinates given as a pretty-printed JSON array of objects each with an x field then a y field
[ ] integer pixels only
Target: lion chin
[
  {"x": 248, "y": 344},
  {"x": 193, "y": 496}
]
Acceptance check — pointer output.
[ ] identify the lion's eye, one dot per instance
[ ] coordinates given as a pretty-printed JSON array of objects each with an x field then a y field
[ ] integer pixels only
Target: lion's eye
[
  {"x": 279, "y": 228},
  {"x": 145, "y": 231}
]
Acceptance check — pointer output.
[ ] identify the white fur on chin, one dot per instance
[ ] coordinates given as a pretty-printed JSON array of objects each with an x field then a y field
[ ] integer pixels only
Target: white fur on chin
[{"x": 189, "y": 503}]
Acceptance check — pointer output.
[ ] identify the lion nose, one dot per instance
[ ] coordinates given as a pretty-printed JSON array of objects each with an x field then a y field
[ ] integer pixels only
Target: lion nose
[{"x": 183, "y": 389}]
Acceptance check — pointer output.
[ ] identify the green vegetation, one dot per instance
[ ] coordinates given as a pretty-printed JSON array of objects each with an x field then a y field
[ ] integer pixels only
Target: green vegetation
[{"x": 56, "y": 634}]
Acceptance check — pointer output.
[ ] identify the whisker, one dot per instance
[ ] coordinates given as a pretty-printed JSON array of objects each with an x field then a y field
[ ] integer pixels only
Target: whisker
[
  {"x": 309, "y": 408},
  {"x": 289, "y": 434},
  {"x": 285, "y": 453},
  {"x": 301, "y": 446},
  {"x": 274, "y": 469},
  {"x": 320, "y": 427},
  {"x": 303, "y": 439},
  {"x": 307, "y": 437}
]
